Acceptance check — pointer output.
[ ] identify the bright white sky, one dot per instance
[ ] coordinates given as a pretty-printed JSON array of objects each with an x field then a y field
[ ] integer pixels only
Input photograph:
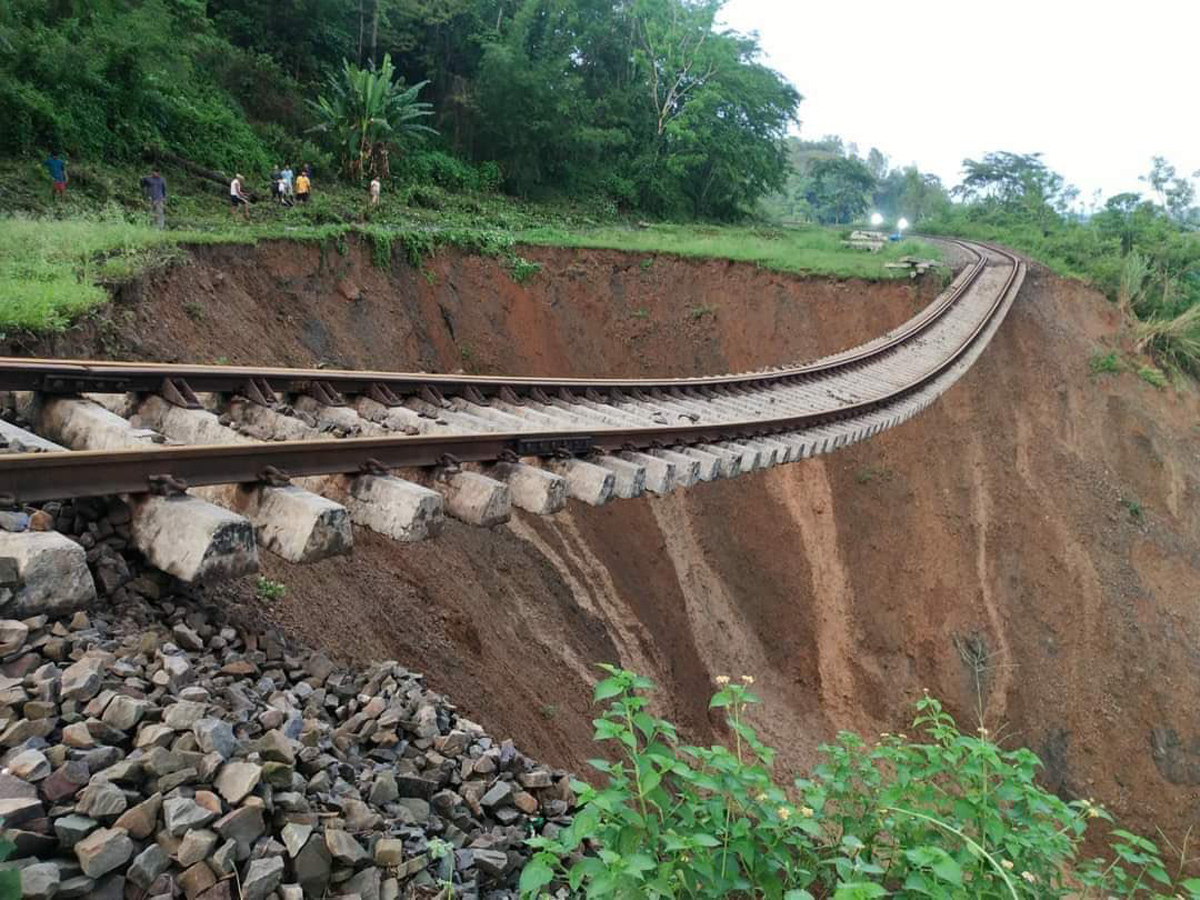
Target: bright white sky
[{"x": 1099, "y": 87}]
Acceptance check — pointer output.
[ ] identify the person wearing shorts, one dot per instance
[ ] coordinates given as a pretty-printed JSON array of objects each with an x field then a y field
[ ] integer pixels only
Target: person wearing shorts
[
  {"x": 303, "y": 187},
  {"x": 57, "y": 167},
  {"x": 237, "y": 199},
  {"x": 376, "y": 187}
]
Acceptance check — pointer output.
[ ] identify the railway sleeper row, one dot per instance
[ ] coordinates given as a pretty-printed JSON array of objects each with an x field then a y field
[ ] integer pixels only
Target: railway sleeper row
[{"x": 210, "y": 533}]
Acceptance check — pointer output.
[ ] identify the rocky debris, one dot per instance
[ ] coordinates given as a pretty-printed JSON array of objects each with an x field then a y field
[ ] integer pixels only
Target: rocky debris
[
  {"x": 102, "y": 528},
  {"x": 151, "y": 751}
]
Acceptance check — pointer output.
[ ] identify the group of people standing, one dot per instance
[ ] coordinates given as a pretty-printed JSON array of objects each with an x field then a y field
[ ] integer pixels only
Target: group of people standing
[{"x": 287, "y": 187}]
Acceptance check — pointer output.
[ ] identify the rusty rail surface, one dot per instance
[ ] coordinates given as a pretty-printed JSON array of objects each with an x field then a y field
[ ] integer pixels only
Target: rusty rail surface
[{"x": 33, "y": 477}]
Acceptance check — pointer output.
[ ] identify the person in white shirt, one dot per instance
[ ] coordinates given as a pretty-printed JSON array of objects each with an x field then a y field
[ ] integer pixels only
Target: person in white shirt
[
  {"x": 376, "y": 187},
  {"x": 288, "y": 177},
  {"x": 237, "y": 198}
]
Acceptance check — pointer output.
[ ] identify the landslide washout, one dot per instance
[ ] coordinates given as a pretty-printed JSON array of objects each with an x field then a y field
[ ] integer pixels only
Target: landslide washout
[{"x": 1030, "y": 546}]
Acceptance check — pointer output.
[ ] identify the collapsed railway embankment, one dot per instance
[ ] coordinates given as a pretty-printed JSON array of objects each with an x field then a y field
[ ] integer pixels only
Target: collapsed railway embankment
[{"x": 985, "y": 549}]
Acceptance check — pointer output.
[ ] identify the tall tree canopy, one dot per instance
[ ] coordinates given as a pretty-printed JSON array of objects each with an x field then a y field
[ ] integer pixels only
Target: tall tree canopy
[{"x": 647, "y": 102}]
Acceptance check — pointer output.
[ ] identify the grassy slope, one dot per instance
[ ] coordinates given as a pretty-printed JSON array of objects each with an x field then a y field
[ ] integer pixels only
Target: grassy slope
[
  {"x": 813, "y": 250},
  {"x": 55, "y": 260}
]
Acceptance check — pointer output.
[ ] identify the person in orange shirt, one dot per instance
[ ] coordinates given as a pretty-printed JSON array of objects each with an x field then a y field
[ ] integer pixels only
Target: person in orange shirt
[{"x": 303, "y": 187}]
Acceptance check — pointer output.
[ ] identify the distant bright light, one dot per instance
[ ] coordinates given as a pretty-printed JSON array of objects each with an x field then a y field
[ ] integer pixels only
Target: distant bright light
[
  {"x": 876, "y": 219},
  {"x": 902, "y": 224}
]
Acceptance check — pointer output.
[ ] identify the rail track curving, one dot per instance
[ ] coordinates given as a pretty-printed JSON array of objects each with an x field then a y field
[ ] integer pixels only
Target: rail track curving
[{"x": 448, "y": 420}]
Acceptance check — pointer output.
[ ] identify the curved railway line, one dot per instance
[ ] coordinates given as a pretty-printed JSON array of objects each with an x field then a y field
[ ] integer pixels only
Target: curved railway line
[{"x": 591, "y": 439}]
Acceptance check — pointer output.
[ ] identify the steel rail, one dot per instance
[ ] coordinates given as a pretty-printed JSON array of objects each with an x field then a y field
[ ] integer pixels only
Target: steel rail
[
  {"x": 56, "y": 376},
  {"x": 43, "y": 476}
]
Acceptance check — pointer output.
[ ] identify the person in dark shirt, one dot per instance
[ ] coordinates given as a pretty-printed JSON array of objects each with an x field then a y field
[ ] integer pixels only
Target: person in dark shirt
[
  {"x": 154, "y": 186},
  {"x": 57, "y": 168}
]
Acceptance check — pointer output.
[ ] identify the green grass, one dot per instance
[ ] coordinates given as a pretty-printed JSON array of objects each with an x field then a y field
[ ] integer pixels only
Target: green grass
[
  {"x": 56, "y": 261},
  {"x": 1152, "y": 375},
  {"x": 1108, "y": 363},
  {"x": 812, "y": 250}
]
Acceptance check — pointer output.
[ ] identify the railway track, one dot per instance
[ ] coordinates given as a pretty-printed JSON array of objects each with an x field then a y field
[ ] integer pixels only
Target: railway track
[{"x": 536, "y": 440}]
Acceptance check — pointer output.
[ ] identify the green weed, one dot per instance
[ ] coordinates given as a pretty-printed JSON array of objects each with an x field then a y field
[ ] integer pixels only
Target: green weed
[
  {"x": 266, "y": 589},
  {"x": 1153, "y": 375},
  {"x": 945, "y": 815},
  {"x": 699, "y": 312},
  {"x": 194, "y": 311},
  {"x": 647, "y": 263},
  {"x": 522, "y": 270},
  {"x": 381, "y": 249},
  {"x": 430, "y": 276},
  {"x": 1136, "y": 513},
  {"x": 1108, "y": 363},
  {"x": 642, "y": 313}
]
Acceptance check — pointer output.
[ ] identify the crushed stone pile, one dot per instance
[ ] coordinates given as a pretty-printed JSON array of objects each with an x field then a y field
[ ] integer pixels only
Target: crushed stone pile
[{"x": 150, "y": 751}]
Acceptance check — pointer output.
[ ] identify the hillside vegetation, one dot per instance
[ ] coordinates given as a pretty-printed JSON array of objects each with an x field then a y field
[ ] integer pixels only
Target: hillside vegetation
[{"x": 647, "y": 104}]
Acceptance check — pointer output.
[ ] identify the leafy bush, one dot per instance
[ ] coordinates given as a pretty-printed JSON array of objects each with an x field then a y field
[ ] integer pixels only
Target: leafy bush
[
  {"x": 953, "y": 816},
  {"x": 437, "y": 167}
]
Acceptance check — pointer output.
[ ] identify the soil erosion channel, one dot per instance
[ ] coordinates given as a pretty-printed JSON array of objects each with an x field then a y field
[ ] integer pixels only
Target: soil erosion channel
[{"x": 1032, "y": 540}]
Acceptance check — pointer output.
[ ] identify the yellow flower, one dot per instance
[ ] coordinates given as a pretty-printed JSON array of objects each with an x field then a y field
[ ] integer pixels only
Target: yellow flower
[
  {"x": 1007, "y": 863},
  {"x": 761, "y": 798},
  {"x": 721, "y": 680},
  {"x": 807, "y": 812},
  {"x": 784, "y": 813},
  {"x": 747, "y": 679}
]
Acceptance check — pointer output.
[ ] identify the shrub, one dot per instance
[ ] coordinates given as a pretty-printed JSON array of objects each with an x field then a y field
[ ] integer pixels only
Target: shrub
[
  {"x": 1103, "y": 363},
  {"x": 952, "y": 816},
  {"x": 266, "y": 589},
  {"x": 436, "y": 167}
]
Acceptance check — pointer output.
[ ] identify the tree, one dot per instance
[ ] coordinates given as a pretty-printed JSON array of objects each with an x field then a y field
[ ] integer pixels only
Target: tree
[
  {"x": 726, "y": 147},
  {"x": 365, "y": 112},
  {"x": 1159, "y": 177},
  {"x": 671, "y": 50},
  {"x": 877, "y": 162},
  {"x": 838, "y": 189}
]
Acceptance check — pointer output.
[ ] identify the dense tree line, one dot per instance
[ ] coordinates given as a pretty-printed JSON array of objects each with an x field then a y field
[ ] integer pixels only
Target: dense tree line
[
  {"x": 1142, "y": 250},
  {"x": 830, "y": 184},
  {"x": 649, "y": 103}
]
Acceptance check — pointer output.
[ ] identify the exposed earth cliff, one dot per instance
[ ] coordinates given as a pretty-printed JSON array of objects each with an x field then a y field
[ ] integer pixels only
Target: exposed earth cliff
[{"x": 1031, "y": 542}]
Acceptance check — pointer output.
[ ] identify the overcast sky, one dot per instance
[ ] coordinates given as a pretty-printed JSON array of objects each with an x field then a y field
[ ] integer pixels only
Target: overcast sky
[{"x": 1099, "y": 87}]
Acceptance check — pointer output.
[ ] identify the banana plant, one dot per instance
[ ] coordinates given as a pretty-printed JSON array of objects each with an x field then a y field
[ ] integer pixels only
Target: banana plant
[{"x": 365, "y": 112}]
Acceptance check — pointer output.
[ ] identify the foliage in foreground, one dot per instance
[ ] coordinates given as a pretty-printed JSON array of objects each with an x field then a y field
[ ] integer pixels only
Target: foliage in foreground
[{"x": 952, "y": 816}]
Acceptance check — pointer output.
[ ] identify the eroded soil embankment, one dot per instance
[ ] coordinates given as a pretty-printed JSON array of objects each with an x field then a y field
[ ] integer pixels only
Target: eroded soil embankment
[
  {"x": 980, "y": 550},
  {"x": 586, "y": 313}
]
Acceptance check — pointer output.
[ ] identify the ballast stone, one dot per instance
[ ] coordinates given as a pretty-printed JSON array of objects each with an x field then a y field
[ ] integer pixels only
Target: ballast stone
[{"x": 52, "y": 573}]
